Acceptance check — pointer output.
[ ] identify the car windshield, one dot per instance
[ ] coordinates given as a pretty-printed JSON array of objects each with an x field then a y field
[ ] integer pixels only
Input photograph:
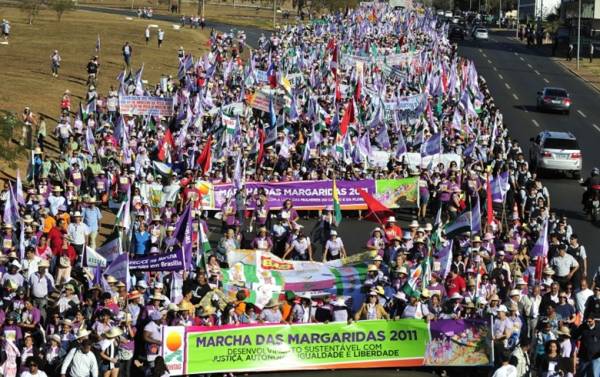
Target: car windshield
[
  {"x": 556, "y": 92},
  {"x": 561, "y": 144},
  {"x": 481, "y": 31}
]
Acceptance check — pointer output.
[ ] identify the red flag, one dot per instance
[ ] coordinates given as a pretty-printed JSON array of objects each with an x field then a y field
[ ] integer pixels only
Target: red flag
[
  {"x": 261, "y": 146},
  {"x": 377, "y": 211},
  {"x": 204, "y": 159},
  {"x": 540, "y": 263},
  {"x": 167, "y": 140},
  {"x": 338, "y": 92},
  {"x": 347, "y": 118},
  {"x": 488, "y": 202}
]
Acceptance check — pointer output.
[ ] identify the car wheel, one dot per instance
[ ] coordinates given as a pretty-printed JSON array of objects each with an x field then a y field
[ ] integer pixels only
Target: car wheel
[
  {"x": 567, "y": 112},
  {"x": 577, "y": 174}
]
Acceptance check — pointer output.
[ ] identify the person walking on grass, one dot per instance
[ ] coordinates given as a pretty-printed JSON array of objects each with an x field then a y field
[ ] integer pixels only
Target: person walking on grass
[
  {"x": 147, "y": 35},
  {"x": 5, "y": 29},
  {"x": 127, "y": 52},
  {"x": 570, "y": 52},
  {"x": 591, "y": 51},
  {"x": 161, "y": 37},
  {"x": 55, "y": 60}
]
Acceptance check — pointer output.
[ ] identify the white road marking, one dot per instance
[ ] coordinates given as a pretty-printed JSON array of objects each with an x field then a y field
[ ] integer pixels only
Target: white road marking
[
  {"x": 515, "y": 96},
  {"x": 596, "y": 127},
  {"x": 536, "y": 72},
  {"x": 507, "y": 86},
  {"x": 501, "y": 77},
  {"x": 524, "y": 109},
  {"x": 529, "y": 65},
  {"x": 535, "y": 123},
  {"x": 516, "y": 53},
  {"x": 581, "y": 113},
  {"x": 520, "y": 57},
  {"x": 480, "y": 50},
  {"x": 489, "y": 61},
  {"x": 484, "y": 54},
  {"x": 546, "y": 81},
  {"x": 494, "y": 68}
]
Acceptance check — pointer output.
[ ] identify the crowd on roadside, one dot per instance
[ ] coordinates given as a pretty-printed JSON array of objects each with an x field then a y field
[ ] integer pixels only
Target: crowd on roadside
[{"x": 339, "y": 91}]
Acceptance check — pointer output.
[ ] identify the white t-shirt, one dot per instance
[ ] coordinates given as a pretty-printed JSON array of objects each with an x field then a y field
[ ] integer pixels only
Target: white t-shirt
[
  {"x": 155, "y": 332},
  {"x": 506, "y": 371},
  {"x": 334, "y": 246},
  {"x": 40, "y": 373}
]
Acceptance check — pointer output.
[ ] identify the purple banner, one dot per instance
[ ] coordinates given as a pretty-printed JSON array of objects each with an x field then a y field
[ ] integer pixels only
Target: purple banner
[
  {"x": 304, "y": 194},
  {"x": 459, "y": 343},
  {"x": 172, "y": 261}
]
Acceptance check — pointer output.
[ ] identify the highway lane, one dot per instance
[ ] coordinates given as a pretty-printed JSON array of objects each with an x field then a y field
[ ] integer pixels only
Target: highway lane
[{"x": 514, "y": 74}]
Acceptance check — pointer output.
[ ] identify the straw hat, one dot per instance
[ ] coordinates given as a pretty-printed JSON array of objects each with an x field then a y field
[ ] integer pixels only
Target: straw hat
[
  {"x": 372, "y": 268},
  {"x": 113, "y": 333},
  {"x": 272, "y": 303},
  {"x": 502, "y": 308},
  {"x": 133, "y": 295},
  {"x": 209, "y": 310},
  {"x": 514, "y": 292},
  {"x": 564, "y": 330},
  {"x": 456, "y": 296},
  {"x": 548, "y": 271},
  {"x": 414, "y": 224},
  {"x": 340, "y": 302},
  {"x": 157, "y": 297},
  {"x": 111, "y": 279},
  {"x": 82, "y": 333},
  {"x": 476, "y": 239}
]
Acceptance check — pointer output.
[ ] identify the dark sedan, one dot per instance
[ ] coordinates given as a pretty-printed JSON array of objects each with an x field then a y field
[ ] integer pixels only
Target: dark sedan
[{"x": 554, "y": 99}]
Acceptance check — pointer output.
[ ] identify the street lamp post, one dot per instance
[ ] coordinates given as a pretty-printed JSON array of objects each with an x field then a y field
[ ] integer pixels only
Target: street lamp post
[
  {"x": 518, "y": 20},
  {"x": 578, "y": 33}
]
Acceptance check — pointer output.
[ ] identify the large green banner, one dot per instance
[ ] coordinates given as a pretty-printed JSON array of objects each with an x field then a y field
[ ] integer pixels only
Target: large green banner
[{"x": 363, "y": 344}]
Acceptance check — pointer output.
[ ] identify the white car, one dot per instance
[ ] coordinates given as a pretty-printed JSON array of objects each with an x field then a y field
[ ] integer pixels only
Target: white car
[
  {"x": 480, "y": 33},
  {"x": 448, "y": 14},
  {"x": 552, "y": 150}
]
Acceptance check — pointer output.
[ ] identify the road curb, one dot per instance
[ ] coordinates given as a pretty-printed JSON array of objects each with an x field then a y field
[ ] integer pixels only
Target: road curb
[{"x": 573, "y": 72}]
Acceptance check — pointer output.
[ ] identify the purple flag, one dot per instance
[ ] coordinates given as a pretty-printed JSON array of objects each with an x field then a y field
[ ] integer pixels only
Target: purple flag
[
  {"x": 540, "y": 249},
  {"x": 432, "y": 146},
  {"x": 11, "y": 211},
  {"x": 382, "y": 138},
  {"x": 19, "y": 189},
  {"x": 119, "y": 269},
  {"x": 499, "y": 187},
  {"x": 475, "y": 216},
  {"x": 139, "y": 86},
  {"x": 445, "y": 258},
  {"x": 183, "y": 233},
  {"x": 401, "y": 146},
  {"x": 237, "y": 173}
]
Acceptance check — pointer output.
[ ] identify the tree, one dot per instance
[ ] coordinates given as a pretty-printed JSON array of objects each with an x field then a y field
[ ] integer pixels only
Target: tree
[
  {"x": 62, "y": 6},
  {"x": 10, "y": 151},
  {"x": 31, "y": 8}
]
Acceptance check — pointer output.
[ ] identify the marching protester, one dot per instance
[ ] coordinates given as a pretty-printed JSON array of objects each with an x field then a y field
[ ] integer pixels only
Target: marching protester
[{"x": 199, "y": 214}]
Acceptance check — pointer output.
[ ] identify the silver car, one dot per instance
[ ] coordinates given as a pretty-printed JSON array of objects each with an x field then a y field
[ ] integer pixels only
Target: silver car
[
  {"x": 557, "y": 151},
  {"x": 554, "y": 99},
  {"x": 480, "y": 33}
]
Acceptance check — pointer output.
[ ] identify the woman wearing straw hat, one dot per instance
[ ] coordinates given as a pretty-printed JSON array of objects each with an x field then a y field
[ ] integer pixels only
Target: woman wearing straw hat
[
  {"x": 109, "y": 362},
  {"x": 271, "y": 312}
]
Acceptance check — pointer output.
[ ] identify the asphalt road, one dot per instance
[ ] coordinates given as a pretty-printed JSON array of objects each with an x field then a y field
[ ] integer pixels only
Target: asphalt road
[{"x": 514, "y": 74}]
